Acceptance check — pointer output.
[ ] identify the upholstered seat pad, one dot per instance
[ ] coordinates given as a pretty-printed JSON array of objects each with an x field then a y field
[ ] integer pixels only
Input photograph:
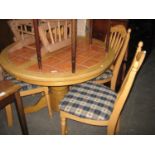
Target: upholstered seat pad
[
  {"x": 89, "y": 100},
  {"x": 105, "y": 75},
  {"x": 24, "y": 85}
]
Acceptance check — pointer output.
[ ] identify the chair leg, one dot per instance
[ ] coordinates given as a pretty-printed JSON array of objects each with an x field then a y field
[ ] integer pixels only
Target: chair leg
[
  {"x": 117, "y": 126},
  {"x": 111, "y": 127},
  {"x": 64, "y": 129},
  {"x": 9, "y": 115},
  {"x": 110, "y": 130},
  {"x": 113, "y": 85},
  {"x": 21, "y": 114},
  {"x": 48, "y": 103}
]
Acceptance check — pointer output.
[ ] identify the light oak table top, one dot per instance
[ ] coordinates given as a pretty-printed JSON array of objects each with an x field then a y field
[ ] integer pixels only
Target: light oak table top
[{"x": 91, "y": 61}]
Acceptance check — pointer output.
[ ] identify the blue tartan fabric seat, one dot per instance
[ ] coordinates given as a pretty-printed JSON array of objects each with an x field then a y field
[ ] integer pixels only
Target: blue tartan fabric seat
[
  {"x": 24, "y": 85},
  {"x": 89, "y": 100},
  {"x": 105, "y": 75}
]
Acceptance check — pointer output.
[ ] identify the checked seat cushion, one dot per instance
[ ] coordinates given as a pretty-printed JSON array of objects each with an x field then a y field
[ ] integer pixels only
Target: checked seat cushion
[
  {"x": 105, "y": 75},
  {"x": 89, "y": 100},
  {"x": 24, "y": 85}
]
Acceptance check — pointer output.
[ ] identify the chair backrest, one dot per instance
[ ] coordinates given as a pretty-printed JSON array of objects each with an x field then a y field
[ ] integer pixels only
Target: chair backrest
[
  {"x": 23, "y": 32},
  {"x": 21, "y": 28},
  {"x": 55, "y": 34},
  {"x": 120, "y": 47},
  {"x": 128, "y": 82},
  {"x": 117, "y": 38}
]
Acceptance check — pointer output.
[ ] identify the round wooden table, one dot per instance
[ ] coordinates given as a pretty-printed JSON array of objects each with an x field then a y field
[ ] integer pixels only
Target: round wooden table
[{"x": 91, "y": 61}]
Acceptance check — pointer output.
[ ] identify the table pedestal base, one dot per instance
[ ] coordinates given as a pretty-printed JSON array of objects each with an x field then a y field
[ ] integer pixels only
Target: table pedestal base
[{"x": 56, "y": 95}]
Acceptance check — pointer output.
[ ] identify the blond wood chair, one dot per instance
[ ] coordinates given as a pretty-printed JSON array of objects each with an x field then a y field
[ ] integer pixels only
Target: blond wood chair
[
  {"x": 119, "y": 39},
  {"x": 55, "y": 34},
  {"x": 23, "y": 32},
  {"x": 21, "y": 28},
  {"x": 96, "y": 104},
  {"x": 27, "y": 89}
]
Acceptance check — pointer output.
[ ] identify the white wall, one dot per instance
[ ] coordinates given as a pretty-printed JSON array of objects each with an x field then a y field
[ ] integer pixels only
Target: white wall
[{"x": 81, "y": 27}]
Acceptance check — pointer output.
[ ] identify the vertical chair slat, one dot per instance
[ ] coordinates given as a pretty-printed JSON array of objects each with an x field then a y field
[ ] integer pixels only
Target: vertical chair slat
[
  {"x": 59, "y": 32},
  {"x": 50, "y": 32},
  {"x": 65, "y": 30}
]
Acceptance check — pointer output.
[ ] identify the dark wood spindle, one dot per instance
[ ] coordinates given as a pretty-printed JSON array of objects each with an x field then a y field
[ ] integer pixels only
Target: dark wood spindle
[
  {"x": 74, "y": 44},
  {"x": 37, "y": 42}
]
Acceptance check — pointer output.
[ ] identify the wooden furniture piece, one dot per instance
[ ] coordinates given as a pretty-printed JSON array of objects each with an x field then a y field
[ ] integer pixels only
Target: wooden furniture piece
[
  {"x": 23, "y": 32},
  {"x": 21, "y": 29},
  {"x": 55, "y": 34},
  {"x": 8, "y": 108},
  {"x": 25, "y": 35},
  {"x": 99, "y": 31},
  {"x": 74, "y": 44},
  {"x": 96, "y": 104},
  {"x": 119, "y": 40},
  {"x": 90, "y": 31},
  {"x": 26, "y": 90},
  {"x": 57, "y": 69},
  {"x": 101, "y": 26},
  {"x": 37, "y": 42},
  {"x": 10, "y": 93},
  {"x": 45, "y": 94}
]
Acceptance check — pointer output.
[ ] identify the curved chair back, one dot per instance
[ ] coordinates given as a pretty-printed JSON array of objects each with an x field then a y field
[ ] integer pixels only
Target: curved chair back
[
  {"x": 117, "y": 38},
  {"x": 23, "y": 32},
  {"x": 55, "y": 34},
  {"x": 126, "y": 86},
  {"x": 22, "y": 29},
  {"x": 120, "y": 50}
]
